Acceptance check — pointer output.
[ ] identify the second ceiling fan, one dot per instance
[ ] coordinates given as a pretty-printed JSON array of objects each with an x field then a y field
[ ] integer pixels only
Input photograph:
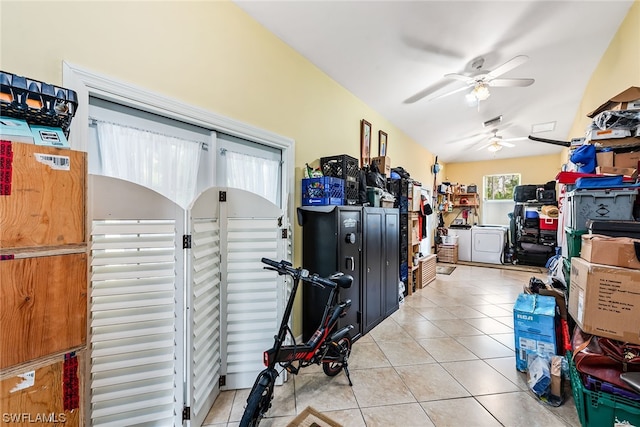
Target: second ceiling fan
[
  {"x": 496, "y": 142},
  {"x": 482, "y": 81}
]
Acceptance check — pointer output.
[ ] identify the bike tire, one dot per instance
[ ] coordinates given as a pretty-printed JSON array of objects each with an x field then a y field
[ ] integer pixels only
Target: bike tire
[
  {"x": 258, "y": 404},
  {"x": 332, "y": 368}
]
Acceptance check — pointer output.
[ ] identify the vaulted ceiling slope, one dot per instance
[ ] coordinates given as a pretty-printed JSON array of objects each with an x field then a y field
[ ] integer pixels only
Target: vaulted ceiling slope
[{"x": 394, "y": 56}]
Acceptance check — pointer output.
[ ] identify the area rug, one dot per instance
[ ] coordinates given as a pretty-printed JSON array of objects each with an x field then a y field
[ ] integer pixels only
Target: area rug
[
  {"x": 312, "y": 418},
  {"x": 444, "y": 269},
  {"x": 527, "y": 268}
]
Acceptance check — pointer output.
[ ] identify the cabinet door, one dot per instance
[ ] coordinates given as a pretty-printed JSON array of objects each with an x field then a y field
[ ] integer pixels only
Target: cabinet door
[
  {"x": 372, "y": 268},
  {"x": 349, "y": 262},
  {"x": 391, "y": 277}
]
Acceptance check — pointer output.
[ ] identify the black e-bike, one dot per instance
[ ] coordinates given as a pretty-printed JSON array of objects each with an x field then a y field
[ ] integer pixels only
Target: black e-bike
[{"x": 327, "y": 346}]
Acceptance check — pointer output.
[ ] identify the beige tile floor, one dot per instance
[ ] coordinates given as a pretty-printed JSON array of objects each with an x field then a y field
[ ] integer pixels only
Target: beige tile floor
[{"x": 445, "y": 358}]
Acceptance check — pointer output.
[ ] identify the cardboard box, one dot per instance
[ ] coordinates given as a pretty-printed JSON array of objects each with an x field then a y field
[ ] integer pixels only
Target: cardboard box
[
  {"x": 43, "y": 196},
  {"x": 534, "y": 327},
  {"x": 619, "y": 142},
  {"x": 15, "y": 130},
  {"x": 616, "y": 251},
  {"x": 622, "y": 101},
  {"x": 608, "y": 170},
  {"x": 384, "y": 164},
  {"x": 598, "y": 134},
  {"x": 605, "y": 158},
  {"x": 605, "y": 300},
  {"x": 627, "y": 160}
]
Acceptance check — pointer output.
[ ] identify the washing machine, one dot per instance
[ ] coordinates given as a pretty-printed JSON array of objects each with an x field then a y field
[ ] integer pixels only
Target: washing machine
[
  {"x": 487, "y": 243},
  {"x": 464, "y": 240}
]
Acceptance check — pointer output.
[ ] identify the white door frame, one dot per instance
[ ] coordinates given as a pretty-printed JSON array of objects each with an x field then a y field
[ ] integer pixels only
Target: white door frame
[{"x": 88, "y": 83}]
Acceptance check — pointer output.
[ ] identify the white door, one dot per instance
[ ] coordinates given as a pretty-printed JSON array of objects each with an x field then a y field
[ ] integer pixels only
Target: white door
[{"x": 136, "y": 320}]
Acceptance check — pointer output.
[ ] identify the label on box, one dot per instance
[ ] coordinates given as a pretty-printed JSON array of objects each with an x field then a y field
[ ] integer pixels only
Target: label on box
[
  {"x": 49, "y": 136},
  {"x": 54, "y": 162}
]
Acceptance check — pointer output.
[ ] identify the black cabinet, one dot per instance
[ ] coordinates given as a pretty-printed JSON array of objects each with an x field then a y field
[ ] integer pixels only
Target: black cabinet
[
  {"x": 331, "y": 241},
  {"x": 380, "y": 265},
  {"x": 362, "y": 242}
]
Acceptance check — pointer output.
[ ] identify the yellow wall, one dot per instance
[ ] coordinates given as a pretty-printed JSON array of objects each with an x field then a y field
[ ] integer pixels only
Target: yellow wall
[
  {"x": 533, "y": 170},
  {"x": 206, "y": 53},
  {"x": 618, "y": 69}
]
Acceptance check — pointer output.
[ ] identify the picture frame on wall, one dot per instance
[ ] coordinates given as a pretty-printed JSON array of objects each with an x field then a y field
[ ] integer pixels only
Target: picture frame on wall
[
  {"x": 382, "y": 143},
  {"x": 365, "y": 142}
]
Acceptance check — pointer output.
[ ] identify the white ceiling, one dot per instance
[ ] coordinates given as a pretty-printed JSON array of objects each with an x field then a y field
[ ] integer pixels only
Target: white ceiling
[{"x": 386, "y": 52}]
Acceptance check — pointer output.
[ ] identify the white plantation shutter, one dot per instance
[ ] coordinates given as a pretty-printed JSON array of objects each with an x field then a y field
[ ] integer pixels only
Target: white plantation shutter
[
  {"x": 133, "y": 322},
  {"x": 254, "y": 296},
  {"x": 136, "y": 319},
  {"x": 205, "y": 317}
]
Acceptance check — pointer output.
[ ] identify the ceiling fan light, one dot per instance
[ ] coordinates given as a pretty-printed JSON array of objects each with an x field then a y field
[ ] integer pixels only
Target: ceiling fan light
[
  {"x": 481, "y": 92},
  {"x": 494, "y": 147}
]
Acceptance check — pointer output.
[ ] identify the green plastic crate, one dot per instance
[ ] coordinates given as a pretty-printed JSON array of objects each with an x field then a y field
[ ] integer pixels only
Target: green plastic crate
[
  {"x": 600, "y": 409},
  {"x": 574, "y": 241},
  {"x": 566, "y": 270}
]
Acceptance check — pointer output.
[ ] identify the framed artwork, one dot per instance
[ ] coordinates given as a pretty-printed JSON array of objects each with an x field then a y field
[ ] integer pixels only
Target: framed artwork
[
  {"x": 382, "y": 143},
  {"x": 365, "y": 142}
]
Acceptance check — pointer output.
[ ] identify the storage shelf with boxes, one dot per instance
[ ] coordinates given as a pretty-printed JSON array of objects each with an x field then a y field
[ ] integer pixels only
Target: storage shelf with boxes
[{"x": 601, "y": 264}]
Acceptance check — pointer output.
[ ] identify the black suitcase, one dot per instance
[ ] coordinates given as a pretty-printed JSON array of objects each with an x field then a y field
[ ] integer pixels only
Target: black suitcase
[
  {"x": 533, "y": 254},
  {"x": 525, "y": 193},
  {"x": 614, "y": 228}
]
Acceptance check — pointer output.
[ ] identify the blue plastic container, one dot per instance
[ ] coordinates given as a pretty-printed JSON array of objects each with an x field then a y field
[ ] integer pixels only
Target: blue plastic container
[{"x": 326, "y": 190}]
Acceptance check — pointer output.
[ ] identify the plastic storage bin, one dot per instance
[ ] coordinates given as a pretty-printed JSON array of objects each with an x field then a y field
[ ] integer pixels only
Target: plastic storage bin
[
  {"x": 574, "y": 241},
  {"x": 322, "y": 191},
  {"x": 598, "y": 408},
  {"x": 600, "y": 205},
  {"x": 548, "y": 223}
]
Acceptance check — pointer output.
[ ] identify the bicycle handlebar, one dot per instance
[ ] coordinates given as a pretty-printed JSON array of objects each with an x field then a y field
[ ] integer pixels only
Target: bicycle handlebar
[{"x": 285, "y": 267}]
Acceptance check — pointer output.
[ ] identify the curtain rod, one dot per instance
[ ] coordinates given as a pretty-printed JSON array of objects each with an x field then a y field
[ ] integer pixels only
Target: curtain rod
[{"x": 95, "y": 122}]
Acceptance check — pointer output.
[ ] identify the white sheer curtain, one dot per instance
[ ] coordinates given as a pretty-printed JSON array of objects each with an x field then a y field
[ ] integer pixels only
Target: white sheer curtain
[
  {"x": 163, "y": 163},
  {"x": 255, "y": 174}
]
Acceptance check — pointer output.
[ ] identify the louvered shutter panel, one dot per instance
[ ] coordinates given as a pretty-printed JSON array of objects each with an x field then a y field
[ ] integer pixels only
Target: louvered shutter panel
[
  {"x": 133, "y": 323},
  {"x": 252, "y": 307},
  {"x": 205, "y": 317},
  {"x": 136, "y": 321}
]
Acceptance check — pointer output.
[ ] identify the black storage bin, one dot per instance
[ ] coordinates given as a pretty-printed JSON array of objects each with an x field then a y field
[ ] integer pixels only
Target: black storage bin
[
  {"x": 351, "y": 192},
  {"x": 615, "y": 228},
  {"x": 342, "y": 166}
]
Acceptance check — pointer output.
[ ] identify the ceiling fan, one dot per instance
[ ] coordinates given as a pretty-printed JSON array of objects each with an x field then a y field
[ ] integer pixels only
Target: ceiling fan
[
  {"x": 496, "y": 142},
  {"x": 481, "y": 82}
]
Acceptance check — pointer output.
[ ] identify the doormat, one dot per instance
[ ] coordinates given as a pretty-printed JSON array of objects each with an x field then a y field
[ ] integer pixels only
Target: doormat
[
  {"x": 444, "y": 269},
  {"x": 312, "y": 418},
  {"x": 527, "y": 268}
]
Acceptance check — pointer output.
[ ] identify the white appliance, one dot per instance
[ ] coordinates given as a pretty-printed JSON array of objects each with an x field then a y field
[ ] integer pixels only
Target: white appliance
[
  {"x": 464, "y": 242},
  {"x": 487, "y": 243}
]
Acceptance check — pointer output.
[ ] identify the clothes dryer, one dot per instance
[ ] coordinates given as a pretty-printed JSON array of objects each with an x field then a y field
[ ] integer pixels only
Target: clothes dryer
[{"x": 488, "y": 243}]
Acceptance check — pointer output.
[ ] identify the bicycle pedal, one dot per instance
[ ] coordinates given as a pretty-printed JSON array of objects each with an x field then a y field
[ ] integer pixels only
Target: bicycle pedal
[{"x": 292, "y": 370}]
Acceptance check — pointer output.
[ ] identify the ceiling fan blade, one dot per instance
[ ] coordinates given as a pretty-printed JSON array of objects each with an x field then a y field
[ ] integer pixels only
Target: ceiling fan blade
[
  {"x": 448, "y": 93},
  {"x": 520, "y": 138},
  {"x": 468, "y": 80},
  {"x": 507, "y": 66},
  {"x": 427, "y": 91},
  {"x": 511, "y": 82},
  {"x": 506, "y": 144},
  {"x": 484, "y": 146}
]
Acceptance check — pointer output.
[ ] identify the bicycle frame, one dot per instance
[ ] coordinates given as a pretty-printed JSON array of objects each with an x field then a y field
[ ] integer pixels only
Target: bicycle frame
[{"x": 280, "y": 353}]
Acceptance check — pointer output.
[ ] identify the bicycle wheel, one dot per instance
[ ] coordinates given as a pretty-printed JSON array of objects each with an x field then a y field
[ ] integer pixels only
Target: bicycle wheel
[
  {"x": 258, "y": 404},
  {"x": 340, "y": 353}
]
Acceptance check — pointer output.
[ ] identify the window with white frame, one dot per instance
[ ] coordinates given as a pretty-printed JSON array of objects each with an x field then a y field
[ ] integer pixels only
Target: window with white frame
[{"x": 500, "y": 186}]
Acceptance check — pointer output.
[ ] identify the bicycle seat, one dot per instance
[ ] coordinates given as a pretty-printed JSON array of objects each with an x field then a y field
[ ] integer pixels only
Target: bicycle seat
[{"x": 342, "y": 280}]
